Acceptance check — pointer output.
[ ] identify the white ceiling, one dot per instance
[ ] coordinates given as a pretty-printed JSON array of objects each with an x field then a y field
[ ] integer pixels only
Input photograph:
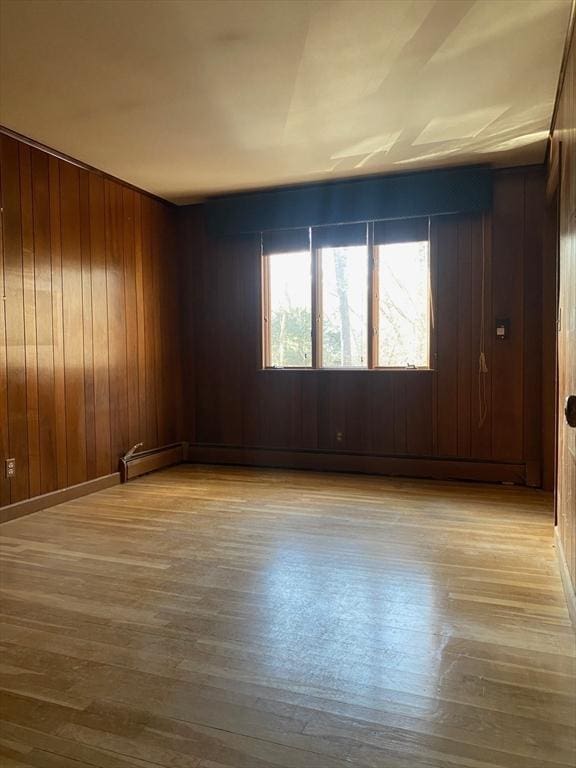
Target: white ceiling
[{"x": 187, "y": 98}]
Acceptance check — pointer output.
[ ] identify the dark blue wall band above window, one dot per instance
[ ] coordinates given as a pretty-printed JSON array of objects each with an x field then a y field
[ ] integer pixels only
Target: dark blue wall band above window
[
  {"x": 286, "y": 240},
  {"x": 339, "y": 235},
  {"x": 401, "y": 230},
  {"x": 430, "y": 193}
]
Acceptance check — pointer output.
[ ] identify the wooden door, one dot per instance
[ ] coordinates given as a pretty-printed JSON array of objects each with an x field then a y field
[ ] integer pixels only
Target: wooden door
[
  {"x": 566, "y": 473},
  {"x": 566, "y": 489}
]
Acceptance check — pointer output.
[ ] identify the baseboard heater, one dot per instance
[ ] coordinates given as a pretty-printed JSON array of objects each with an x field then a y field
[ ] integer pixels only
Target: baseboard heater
[
  {"x": 134, "y": 464},
  {"x": 372, "y": 464}
]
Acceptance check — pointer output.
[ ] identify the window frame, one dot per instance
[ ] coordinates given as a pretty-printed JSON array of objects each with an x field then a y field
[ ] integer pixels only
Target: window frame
[{"x": 372, "y": 312}]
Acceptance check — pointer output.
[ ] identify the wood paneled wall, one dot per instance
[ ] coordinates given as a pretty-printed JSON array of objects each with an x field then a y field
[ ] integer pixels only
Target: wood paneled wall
[
  {"x": 409, "y": 413},
  {"x": 89, "y": 344},
  {"x": 123, "y": 322},
  {"x": 564, "y": 149}
]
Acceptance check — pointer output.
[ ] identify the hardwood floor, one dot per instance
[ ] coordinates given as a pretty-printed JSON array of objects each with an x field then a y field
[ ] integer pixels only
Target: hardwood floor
[{"x": 210, "y": 617}]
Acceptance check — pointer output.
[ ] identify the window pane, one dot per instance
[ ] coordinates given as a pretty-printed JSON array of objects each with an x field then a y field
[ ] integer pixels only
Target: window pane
[
  {"x": 290, "y": 309},
  {"x": 404, "y": 332},
  {"x": 344, "y": 307}
]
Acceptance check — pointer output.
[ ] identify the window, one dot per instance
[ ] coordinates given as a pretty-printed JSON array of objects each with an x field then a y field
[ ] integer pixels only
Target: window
[
  {"x": 403, "y": 312},
  {"x": 344, "y": 303},
  {"x": 354, "y": 296},
  {"x": 290, "y": 283}
]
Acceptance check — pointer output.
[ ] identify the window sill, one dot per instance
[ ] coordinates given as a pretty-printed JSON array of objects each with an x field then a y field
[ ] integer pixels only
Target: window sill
[{"x": 346, "y": 370}]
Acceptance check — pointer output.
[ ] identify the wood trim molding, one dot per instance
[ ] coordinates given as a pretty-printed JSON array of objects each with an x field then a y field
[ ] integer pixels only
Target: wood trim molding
[
  {"x": 332, "y": 461},
  {"x": 79, "y": 164},
  {"x": 568, "y": 41},
  {"x": 37, "y": 503},
  {"x": 569, "y": 592},
  {"x": 149, "y": 461},
  {"x": 553, "y": 178}
]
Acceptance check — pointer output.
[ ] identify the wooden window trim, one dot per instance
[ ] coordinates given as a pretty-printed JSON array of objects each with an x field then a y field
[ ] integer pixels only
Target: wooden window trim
[
  {"x": 373, "y": 312},
  {"x": 432, "y": 294},
  {"x": 316, "y": 267},
  {"x": 265, "y": 308},
  {"x": 317, "y": 273},
  {"x": 265, "y": 332},
  {"x": 373, "y": 300},
  {"x": 432, "y": 282}
]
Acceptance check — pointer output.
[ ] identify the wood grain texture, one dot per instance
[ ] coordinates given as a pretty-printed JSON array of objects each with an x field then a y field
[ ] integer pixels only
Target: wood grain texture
[
  {"x": 238, "y": 618},
  {"x": 565, "y": 133},
  {"x": 416, "y": 414},
  {"x": 370, "y": 463},
  {"x": 549, "y": 335},
  {"x": 4, "y": 431},
  {"x": 14, "y": 317},
  {"x": 141, "y": 463},
  {"x": 47, "y": 500},
  {"x": 566, "y": 577},
  {"x": 91, "y": 320}
]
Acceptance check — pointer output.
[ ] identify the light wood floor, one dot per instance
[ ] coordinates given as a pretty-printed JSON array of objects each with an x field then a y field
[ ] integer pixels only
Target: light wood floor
[{"x": 210, "y": 617}]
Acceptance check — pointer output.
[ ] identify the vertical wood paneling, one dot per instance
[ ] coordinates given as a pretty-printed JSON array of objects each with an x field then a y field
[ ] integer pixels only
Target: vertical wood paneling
[
  {"x": 189, "y": 238},
  {"x": 131, "y": 322},
  {"x": 404, "y": 413},
  {"x": 44, "y": 328},
  {"x": 419, "y": 414},
  {"x": 58, "y": 325},
  {"x": 565, "y": 132},
  {"x": 151, "y": 423},
  {"x": 534, "y": 202},
  {"x": 29, "y": 288},
  {"x": 549, "y": 332},
  {"x": 4, "y": 435},
  {"x": 165, "y": 338},
  {"x": 447, "y": 320},
  {"x": 155, "y": 309},
  {"x": 73, "y": 323},
  {"x": 344, "y": 411},
  {"x": 90, "y": 319},
  {"x": 116, "y": 320},
  {"x": 465, "y": 350},
  {"x": 87, "y": 330},
  {"x": 15, "y": 330},
  {"x": 140, "y": 309},
  {"x": 92, "y": 337},
  {"x": 104, "y": 463},
  {"x": 508, "y": 303},
  {"x": 176, "y": 300},
  {"x": 168, "y": 344},
  {"x": 399, "y": 400},
  {"x": 308, "y": 415},
  {"x": 481, "y": 433},
  {"x": 381, "y": 404}
]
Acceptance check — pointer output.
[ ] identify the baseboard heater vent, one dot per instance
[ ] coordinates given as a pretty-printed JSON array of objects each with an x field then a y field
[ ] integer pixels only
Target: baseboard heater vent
[{"x": 135, "y": 464}]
